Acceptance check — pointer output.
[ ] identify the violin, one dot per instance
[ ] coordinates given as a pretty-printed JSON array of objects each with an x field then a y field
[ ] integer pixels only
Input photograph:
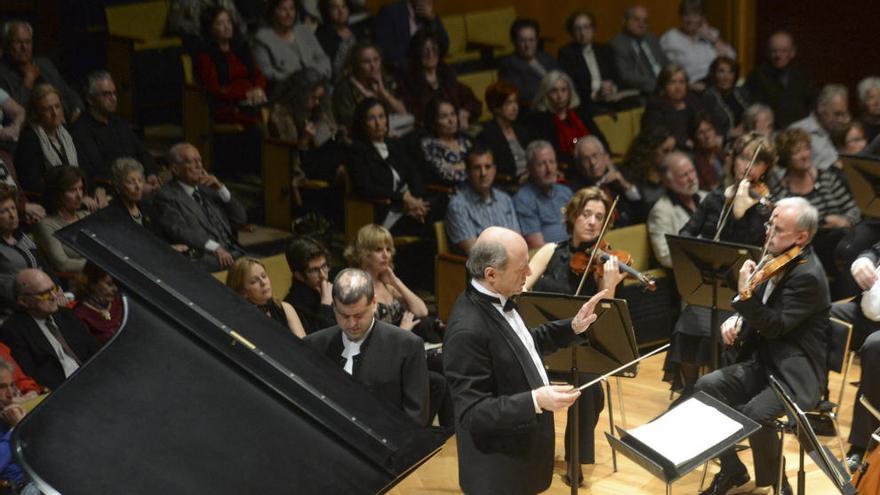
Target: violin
[
  {"x": 579, "y": 260},
  {"x": 769, "y": 267}
]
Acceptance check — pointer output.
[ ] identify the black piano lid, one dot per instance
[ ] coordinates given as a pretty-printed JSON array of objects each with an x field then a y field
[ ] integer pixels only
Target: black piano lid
[{"x": 200, "y": 393}]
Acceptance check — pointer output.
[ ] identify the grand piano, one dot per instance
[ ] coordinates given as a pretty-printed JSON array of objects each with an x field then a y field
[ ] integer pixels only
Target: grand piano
[{"x": 198, "y": 393}]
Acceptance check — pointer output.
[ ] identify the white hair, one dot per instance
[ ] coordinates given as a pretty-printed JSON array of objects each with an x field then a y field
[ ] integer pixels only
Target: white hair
[
  {"x": 540, "y": 102},
  {"x": 831, "y": 91},
  {"x": 866, "y": 85},
  {"x": 808, "y": 217}
]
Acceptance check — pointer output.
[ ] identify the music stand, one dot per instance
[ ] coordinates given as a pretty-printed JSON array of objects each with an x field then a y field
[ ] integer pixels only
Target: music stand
[
  {"x": 612, "y": 344},
  {"x": 863, "y": 175},
  {"x": 809, "y": 442},
  {"x": 706, "y": 275}
]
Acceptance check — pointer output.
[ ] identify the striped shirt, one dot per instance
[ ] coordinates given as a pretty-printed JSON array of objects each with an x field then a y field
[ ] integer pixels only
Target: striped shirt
[
  {"x": 830, "y": 196},
  {"x": 468, "y": 213}
]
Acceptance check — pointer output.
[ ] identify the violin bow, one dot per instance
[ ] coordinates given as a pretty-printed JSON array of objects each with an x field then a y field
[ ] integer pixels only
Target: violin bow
[
  {"x": 595, "y": 249},
  {"x": 728, "y": 207}
]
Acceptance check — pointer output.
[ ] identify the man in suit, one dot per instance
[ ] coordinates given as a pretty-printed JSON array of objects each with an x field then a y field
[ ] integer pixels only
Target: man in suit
[
  {"x": 389, "y": 361},
  {"x": 504, "y": 403},
  {"x": 528, "y": 65},
  {"x": 197, "y": 210},
  {"x": 395, "y": 24},
  {"x": 784, "y": 326},
  {"x": 637, "y": 52},
  {"x": 590, "y": 64},
  {"x": 46, "y": 339}
]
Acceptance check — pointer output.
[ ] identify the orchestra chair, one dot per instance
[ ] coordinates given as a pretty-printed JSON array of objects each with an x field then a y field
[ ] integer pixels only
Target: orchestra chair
[{"x": 450, "y": 274}]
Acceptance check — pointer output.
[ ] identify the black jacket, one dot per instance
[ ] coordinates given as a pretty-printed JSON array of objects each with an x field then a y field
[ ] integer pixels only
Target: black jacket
[
  {"x": 791, "y": 102},
  {"x": 571, "y": 60},
  {"x": 493, "y": 138},
  {"x": 543, "y": 127},
  {"x": 307, "y": 303},
  {"x": 371, "y": 176}
]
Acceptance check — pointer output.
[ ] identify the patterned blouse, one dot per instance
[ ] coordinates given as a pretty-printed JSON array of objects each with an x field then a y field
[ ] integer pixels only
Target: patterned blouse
[{"x": 442, "y": 160}]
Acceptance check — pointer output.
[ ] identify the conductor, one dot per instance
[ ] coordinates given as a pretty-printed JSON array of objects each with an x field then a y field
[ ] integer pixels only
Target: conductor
[{"x": 503, "y": 400}]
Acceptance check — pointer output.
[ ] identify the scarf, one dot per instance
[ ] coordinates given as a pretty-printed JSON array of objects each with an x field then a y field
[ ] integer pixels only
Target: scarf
[{"x": 53, "y": 154}]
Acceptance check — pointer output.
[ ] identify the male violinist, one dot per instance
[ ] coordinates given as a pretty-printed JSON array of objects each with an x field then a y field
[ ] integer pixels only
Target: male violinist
[{"x": 782, "y": 322}]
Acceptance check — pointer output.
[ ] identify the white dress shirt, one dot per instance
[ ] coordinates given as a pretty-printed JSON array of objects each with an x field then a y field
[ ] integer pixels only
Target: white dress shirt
[
  {"x": 351, "y": 349},
  {"x": 593, "y": 65}
]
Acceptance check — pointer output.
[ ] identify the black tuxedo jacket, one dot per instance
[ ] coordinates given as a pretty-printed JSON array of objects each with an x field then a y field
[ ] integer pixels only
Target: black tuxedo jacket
[
  {"x": 183, "y": 221},
  {"x": 391, "y": 365},
  {"x": 571, "y": 59},
  {"x": 371, "y": 176},
  {"x": 32, "y": 350},
  {"x": 503, "y": 445},
  {"x": 789, "y": 334}
]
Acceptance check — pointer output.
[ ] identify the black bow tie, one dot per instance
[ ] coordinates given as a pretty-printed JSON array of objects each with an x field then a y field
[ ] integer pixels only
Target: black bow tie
[{"x": 509, "y": 305}]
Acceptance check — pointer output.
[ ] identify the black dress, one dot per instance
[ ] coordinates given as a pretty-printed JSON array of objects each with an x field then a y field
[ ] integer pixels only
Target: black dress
[
  {"x": 559, "y": 278},
  {"x": 274, "y": 310}
]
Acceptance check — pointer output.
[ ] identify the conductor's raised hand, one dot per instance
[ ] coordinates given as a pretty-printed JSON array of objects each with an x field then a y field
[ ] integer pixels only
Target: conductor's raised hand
[
  {"x": 587, "y": 314},
  {"x": 556, "y": 397}
]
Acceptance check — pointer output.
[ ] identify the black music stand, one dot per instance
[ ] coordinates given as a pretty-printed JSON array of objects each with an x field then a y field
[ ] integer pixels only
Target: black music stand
[
  {"x": 863, "y": 175},
  {"x": 809, "y": 442},
  {"x": 612, "y": 344},
  {"x": 706, "y": 275},
  {"x": 668, "y": 471}
]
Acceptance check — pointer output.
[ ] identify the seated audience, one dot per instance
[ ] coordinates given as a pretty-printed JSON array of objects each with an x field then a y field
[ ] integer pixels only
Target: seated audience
[
  {"x": 849, "y": 139},
  {"x": 63, "y": 197},
  {"x": 832, "y": 112},
  {"x": 11, "y": 413},
  {"x": 637, "y": 53},
  {"x": 228, "y": 72},
  {"x": 21, "y": 71},
  {"x": 759, "y": 118},
  {"x": 11, "y": 119},
  {"x": 32, "y": 211},
  {"x": 539, "y": 201},
  {"x": 476, "y": 204},
  {"x": 673, "y": 105},
  {"x": 427, "y": 77},
  {"x": 248, "y": 278},
  {"x": 674, "y": 209},
  {"x": 334, "y": 34},
  {"x": 593, "y": 168},
  {"x": 528, "y": 65},
  {"x": 389, "y": 362},
  {"x": 286, "y": 46},
  {"x": 25, "y": 384},
  {"x": 869, "y": 102},
  {"x": 559, "y": 117},
  {"x": 17, "y": 250},
  {"x": 825, "y": 189},
  {"x": 504, "y": 135},
  {"x": 723, "y": 99},
  {"x": 98, "y": 303},
  {"x": 310, "y": 292},
  {"x": 590, "y": 64},
  {"x": 197, "y": 210},
  {"x": 127, "y": 178},
  {"x": 397, "y": 22},
  {"x": 364, "y": 77},
  {"x": 781, "y": 84},
  {"x": 707, "y": 154},
  {"x": 46, "y": 339},
  {"x": 381, "y": 168},
  {"x": 101, "y": 136},
  {"x": 643, "y": 159},
  {"x": 185, "y": 20},
  {"x": 445, "y": 148},
  {"x": 694, "y": 44}
]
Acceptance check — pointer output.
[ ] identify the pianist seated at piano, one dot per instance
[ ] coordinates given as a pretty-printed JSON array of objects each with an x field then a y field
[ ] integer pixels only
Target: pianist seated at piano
[{"x": 248, "y": 278}]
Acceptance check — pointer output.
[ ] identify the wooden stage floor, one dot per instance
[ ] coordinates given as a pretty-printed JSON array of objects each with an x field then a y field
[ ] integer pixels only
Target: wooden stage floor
[{"x": 645, "y": 397}]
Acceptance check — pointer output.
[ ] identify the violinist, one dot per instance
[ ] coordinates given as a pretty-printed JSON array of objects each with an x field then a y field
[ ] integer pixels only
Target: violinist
[
  {"x": 593, "y": 168},
  {"x": 782, "y": 323}
]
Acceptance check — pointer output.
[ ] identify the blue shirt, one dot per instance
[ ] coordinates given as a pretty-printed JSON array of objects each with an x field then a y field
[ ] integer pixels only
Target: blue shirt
[
  {"x": 540, "y": 212},
  {"x": 468, "y": 213},
  {"x": 9, "y": 470}
]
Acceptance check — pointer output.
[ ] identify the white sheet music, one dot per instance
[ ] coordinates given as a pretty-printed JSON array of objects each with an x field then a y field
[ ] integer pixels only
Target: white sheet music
[{"x": 686, "y": 431}]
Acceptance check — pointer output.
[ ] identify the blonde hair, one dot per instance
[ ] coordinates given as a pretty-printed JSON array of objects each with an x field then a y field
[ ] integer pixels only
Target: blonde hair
[
  {"x": 239, "y": 272},
  {"x": 369, "y": 238},
  {"x": 540, "y": 102},
  {"x": 39, "y": 92}
]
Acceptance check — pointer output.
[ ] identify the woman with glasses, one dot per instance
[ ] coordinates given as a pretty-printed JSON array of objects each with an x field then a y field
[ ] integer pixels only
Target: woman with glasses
[{"x": 248, "y": 278}]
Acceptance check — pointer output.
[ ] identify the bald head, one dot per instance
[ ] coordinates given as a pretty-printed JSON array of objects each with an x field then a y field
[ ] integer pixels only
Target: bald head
[
  {"x": 500, "y": 260},
  {"x": 782, "y": 49},
  {"x": 35, "y": 292}
]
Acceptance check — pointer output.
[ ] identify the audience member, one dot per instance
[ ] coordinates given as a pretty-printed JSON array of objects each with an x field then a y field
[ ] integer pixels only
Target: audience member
[
  {"x": 397, "y": 22},
  {"x": 28, "y": 387},
  {"x": 21, "y": 71},
  {"x": 381, "y": 168},
  {"x": 593, "y": 168},
  {"x": 528, "y": 64},
  {"x": 825, "y": 189},
  {"x": 674, "y": 209},
  {"x": 759, "y": 118},
  {"x": 32, "y": 211},
  {"x": 101, "y": 136},
  {"x": 694, "y": 44},
  {"x": 849, "y": 139},
  {"x": 723, "y": 99},
  {"x": 642, "y": 162},
  {"x": 389, "y": 362},
  {"x": 63, "y": 197},
  {"x": 11, "y": 413},
  {"x": 127, "y": 178},
  {"x": 558, "y": 116},
  {"x": 504, "y": 134},
  {"x": 637, "y": 52},
  {"x": 673, "y": 105},
  {"x": 46, "y": 339},
  {"x": 539, "y": 202},
  {"x": 98, "y": 303},
  {"x": 832, "y": 112},
  {"x": 185, "y": 20},
  {"x": 781, "y": 84},
  {"x": 427, "y": 77},
  {"x": 334, "y": 34},
  {"x": 248, "y": 278},
  {"x": 869, "y": 103},
  {"x": 445, "y": 148},
  {"x": 477, "y": 205},
  {"x": 364, "y": 77},
  {"x": 590, "y": 64},
  {"x": 12, "y": 117},
  {"x": 311, "y": 291},
  {"x": 286, "y": 46},
  {"x": 197, "y": 210},
  {"x": 17, "y": 250},
  {"x": 707, "y": 154}
]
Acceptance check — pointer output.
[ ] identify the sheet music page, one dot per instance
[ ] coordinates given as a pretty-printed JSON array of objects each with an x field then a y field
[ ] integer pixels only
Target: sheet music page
[{"x": 686, "y": 431}]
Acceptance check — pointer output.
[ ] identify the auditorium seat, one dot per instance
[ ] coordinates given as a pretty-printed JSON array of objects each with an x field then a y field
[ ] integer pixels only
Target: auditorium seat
[
  {"x": 458, "y": 43},
  {"x": 491, "y": 28},
  {"x": 450, "y": 275},
  {"x": 478, "y": 82}
]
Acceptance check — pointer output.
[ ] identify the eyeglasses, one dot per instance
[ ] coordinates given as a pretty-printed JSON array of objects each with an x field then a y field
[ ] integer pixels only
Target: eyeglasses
[
  {"x": 318, "y": 269},
  {"x": 46, "y": 295}
]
